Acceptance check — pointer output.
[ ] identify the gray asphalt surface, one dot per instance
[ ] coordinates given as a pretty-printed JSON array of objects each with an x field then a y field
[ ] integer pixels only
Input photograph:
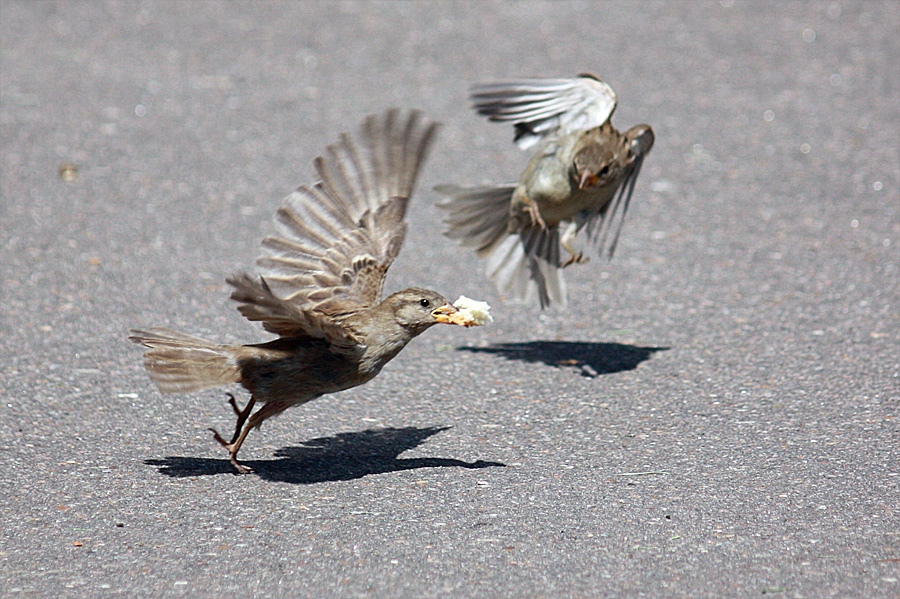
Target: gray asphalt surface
[{"x": 715, "y": 415}]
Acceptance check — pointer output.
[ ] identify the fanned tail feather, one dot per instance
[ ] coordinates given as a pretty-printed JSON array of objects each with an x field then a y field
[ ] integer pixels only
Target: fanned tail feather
[
  {"x": 178, "y": 362},
  {"x": 525, "y": 265},
  {"x": 476, "y": 216}
]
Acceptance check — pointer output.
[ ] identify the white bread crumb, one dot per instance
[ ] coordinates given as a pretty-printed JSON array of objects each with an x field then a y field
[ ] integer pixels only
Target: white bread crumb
[{"x": 472, "y": 312}]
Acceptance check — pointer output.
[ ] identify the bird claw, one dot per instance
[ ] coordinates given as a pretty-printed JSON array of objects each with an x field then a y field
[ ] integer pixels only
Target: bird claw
[
  {"x": 220, "y": 439},
  {"x": 241, "y": 468},
  {"x": 535, "y": 213},
  {"x": 234, "y": 445},
  {"x": 575, "y": 258}
]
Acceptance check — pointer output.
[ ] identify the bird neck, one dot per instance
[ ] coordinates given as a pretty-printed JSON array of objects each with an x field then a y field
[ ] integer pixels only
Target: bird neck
[{"x": 383, "y": 337}]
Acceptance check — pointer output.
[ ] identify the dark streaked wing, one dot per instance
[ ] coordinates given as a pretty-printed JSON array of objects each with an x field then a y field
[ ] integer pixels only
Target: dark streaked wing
[
  {"x": 604, "y": 227},
  {"x": 338, "y": 237},
  {"x": 546, "y": 107},
  {"x": 259, "y": 303}
]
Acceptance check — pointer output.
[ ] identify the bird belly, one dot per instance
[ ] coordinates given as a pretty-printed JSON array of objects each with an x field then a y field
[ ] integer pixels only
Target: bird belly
[
  {"x": 555, "y": 209},
  {"x": 298, "y": 378},
  {"x": 547, "y": 186}
]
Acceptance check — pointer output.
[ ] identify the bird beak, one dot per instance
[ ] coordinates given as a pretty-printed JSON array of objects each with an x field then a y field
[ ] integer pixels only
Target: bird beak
[
  {"x": 586, "y": 179},
  {"x": 444, "y": 313}
]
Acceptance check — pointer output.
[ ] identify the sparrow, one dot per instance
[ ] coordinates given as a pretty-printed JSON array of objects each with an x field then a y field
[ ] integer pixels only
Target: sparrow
[
  {"x": 319, "y": 286},
  {"x": 582, "y": 177}
]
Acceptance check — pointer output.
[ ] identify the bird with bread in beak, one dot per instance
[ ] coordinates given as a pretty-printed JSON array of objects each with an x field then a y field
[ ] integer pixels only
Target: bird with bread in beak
[
  {"x": 319, "y": 286},
  {"x": 581, "y": 177}
]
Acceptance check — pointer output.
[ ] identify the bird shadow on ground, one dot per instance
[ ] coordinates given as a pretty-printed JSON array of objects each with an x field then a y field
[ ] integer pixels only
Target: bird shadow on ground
[
  {"x": 589, "y": 358},
  {"x": 345, "y": 456}
]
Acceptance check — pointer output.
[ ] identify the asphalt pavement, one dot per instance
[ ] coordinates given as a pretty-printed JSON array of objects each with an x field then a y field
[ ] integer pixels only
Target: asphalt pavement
[{"x": 714, "y": 415}]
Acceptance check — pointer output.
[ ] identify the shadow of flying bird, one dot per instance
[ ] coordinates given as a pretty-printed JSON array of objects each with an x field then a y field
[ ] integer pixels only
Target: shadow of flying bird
[{"x": 592, "y": 359}]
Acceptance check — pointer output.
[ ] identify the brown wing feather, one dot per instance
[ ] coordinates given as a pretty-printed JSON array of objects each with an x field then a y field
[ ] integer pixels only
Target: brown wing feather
[
  {"x": 259, "y": 303},
  {"x": 338, "y": 237}
]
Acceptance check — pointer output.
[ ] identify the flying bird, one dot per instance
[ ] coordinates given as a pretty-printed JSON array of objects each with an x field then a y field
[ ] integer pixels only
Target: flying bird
[
  {"x": 319, "y": 286},
  {"x": 582, "y": 177}
]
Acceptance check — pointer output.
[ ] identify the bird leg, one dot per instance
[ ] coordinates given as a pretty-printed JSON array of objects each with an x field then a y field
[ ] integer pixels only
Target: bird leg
[
  {"x": 240, "y": 433},
  {"x": 575, "y": 258},
  {"x": 534, "y": 212},
  {"x": 568, "y": 237},
  {"x": 241, "y": 414}
]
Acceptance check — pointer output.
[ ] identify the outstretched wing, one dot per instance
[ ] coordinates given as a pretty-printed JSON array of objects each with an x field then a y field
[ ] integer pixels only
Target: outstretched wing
[
  {"x": 338, "y": 237},
  {"x": 538, "y": 108},
  {"x": 604, "y": 227},
  {"x": 259, "y": 303}
]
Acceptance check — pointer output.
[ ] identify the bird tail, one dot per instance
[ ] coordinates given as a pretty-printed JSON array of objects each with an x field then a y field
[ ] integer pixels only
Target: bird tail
[
  {"x": 526, "y": 264},
  {"x": 476, "y": 216},
  {"x": 178, "y": 363},
  {"x": 522, "y": 264}
]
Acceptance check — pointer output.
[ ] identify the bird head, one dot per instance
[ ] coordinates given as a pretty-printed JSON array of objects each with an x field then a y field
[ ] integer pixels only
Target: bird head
[
  {"x": 592, "y": 166},
  {"x": 416, "y": 309},
  {"x": 640, "y": 139},
  {"x": 597, "y": 157}
]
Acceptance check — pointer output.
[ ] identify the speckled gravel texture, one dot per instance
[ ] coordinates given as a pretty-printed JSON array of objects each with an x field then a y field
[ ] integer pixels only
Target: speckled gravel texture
[{"x": 714, "y": 415}]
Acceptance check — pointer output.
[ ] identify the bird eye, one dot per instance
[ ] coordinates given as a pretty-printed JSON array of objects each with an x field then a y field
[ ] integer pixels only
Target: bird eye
[{"x": 424, "y": 303}]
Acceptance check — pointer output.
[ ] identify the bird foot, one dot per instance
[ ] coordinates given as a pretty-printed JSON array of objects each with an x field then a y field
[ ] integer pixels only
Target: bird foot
[
  {"x": 535, "y": 213},
  {"x": 232, "y": 451},
  {"x": 575, "y": 258},
  {"x": 242, "y": 415},
  {"x": 242, "y": 468},
  {"x": 234, "y": 445}
]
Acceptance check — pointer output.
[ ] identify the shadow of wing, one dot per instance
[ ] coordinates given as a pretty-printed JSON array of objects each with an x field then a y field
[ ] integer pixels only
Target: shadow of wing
[{"x": 345, "y": 456}]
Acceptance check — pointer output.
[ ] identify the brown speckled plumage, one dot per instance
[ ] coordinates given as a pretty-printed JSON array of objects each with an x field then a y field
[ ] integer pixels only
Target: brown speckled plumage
[
  {"x": 318, "y": 286},
  {"x": 582, "y": 177}
]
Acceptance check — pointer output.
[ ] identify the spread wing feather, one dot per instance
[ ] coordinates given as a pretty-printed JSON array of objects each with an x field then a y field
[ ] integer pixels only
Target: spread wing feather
[
  {"x": 338, "y": 237},
  {"x": 539, "y": 108}
]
